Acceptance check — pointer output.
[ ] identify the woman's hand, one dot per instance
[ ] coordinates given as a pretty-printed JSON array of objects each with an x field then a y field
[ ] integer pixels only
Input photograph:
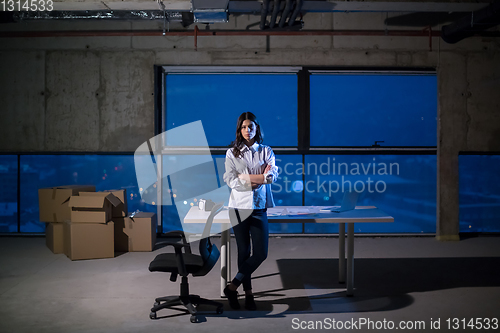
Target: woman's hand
[
  {"x": 245, "y": 177},
  {"x": 255, "y": 180}
]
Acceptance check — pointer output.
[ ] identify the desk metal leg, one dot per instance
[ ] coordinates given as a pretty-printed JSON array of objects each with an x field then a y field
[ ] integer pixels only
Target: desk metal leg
[
  {"x": 228, "y": 262},
  {"x": 350, "y": 258},
  {"x": 341, "y": 252},
  {"x": 225, "y": 260}
]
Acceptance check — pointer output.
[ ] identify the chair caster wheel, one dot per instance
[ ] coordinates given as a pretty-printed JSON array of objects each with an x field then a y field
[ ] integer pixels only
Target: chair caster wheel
[
  {"x": 152, "y": 315},
  {"x": 219, "y": 310},
  {"x": 193, "y": 319},
  {"x": 156, "y": 304}
]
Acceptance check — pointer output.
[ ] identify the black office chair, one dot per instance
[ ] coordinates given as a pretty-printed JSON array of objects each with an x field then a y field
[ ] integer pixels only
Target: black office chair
[{"x": 184, "y": 264}]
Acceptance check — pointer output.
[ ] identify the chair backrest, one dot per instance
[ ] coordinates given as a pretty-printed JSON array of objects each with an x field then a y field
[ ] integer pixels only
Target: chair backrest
[{"x": 208, "y": 251}]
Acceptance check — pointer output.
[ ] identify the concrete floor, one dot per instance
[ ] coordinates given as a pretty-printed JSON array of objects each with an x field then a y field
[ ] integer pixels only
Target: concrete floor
[{"x": 396, "y": 279}]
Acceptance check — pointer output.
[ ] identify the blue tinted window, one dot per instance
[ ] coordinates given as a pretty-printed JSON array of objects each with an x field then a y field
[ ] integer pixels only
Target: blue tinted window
[
  {"x": 186, "y": 180},
  {"x": 218, "y": 100},
  {"x": 106, "y": 172},
  {"x": 479, "y": 193},
  {"x": 8, "y": 195},
  {"x": 287, "y": 191},
  {"x": 357, "y": 110},
  {"x": 404, "y": 186},
  {"x": 204, "y": 181}
]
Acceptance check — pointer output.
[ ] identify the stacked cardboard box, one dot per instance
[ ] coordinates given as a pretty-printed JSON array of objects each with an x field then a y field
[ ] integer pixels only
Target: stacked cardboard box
[
  {"x": 121, "y": 209},
  {"x": 94, "y": 224},
  {"x": 133, "y": 232},
  {"x": 136, "y": 232},
  {"x": 54, "y": 237},
  {"x": 53, "y": 201},
  {"x": 54, "y": 210},
  {"x": 90, "y": 233}
]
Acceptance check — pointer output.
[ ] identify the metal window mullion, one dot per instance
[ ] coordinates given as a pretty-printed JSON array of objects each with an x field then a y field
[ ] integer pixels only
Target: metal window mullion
[
  {"x": 303, "y": 121},
  {"x": 18, "y": 193},
  {"x": 372, "y": 72},
  {"x": 159, "y": 193},
  {"x": 230, "y": 70},
  {"x": 160, "y": 128}
]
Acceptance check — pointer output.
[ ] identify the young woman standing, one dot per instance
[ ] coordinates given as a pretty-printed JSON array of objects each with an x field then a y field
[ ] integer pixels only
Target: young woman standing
[{"x": 250, "y": 169}]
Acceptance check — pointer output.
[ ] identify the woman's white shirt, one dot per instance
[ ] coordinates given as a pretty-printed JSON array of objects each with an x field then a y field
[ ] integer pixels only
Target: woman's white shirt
[{"x": 253, "y": 161}]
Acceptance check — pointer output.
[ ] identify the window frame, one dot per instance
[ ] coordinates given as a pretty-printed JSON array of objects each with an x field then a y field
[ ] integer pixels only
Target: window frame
[
  {"x": 303, "y": 73},
  {"x": 374, "y": 72}
]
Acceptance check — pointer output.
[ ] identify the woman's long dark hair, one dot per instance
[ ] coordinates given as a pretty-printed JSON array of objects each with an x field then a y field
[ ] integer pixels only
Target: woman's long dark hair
[{"x": 259, "y": 135}]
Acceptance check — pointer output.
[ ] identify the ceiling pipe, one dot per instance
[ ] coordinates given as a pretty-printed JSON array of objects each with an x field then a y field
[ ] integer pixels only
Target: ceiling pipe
[
  {"x": 429, "y": 29},
  {"x": 196, "y": 32},
  {"x": 276, "y": 9},
  {"x": 269, "y": 32},
  {"x": 296, "y": 12},
  {"x": 472, "y": 23},
  {"x": 115, "y": 15},
  {"x": 263, "y": 14},
  {"x": 286, "y": 12}
]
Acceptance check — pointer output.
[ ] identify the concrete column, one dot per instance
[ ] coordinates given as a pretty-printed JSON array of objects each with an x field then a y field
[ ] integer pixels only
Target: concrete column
[{"x": 452, "y": 137}]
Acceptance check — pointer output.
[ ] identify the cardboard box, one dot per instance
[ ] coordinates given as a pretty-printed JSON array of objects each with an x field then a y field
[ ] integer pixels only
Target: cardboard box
[
  {"x": 89, "y": 240},
  {"x": 92, "y": 207},
  {"x": 120, "y": 210},
  {"x": 54, "y": 237},
  {"x": 53, "y": 201},
  {"x": 134, "y": 234}
]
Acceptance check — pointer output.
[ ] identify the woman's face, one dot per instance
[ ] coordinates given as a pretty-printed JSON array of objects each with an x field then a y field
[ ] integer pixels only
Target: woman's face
[{"x": 248, "y": 130}]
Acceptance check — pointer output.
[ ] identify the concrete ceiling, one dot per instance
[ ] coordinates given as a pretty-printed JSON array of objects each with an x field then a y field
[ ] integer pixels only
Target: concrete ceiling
[{"x": 253, "y": 6}]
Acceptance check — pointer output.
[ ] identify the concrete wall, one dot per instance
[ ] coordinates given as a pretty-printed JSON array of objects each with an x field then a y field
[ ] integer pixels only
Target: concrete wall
[{"x": 96, "y": 93}]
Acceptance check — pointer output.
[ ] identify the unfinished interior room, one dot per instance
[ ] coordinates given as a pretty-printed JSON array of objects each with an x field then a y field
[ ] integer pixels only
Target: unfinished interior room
[{"x": 249, "y": 165}]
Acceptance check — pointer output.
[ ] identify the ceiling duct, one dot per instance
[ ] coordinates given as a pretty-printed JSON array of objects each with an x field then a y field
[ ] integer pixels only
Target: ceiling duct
[
  {"x": 472, "y": 24},
  {"x": 97, "y": 15},
  {"x": 210, "y": 11}
]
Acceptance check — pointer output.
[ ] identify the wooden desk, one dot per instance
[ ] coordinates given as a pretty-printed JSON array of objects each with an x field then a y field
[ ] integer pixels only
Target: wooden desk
[{"x": 362, "y": 214}]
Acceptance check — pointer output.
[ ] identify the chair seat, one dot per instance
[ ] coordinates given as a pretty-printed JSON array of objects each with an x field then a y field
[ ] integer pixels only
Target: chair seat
[{"x": 166, "y": 262}]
